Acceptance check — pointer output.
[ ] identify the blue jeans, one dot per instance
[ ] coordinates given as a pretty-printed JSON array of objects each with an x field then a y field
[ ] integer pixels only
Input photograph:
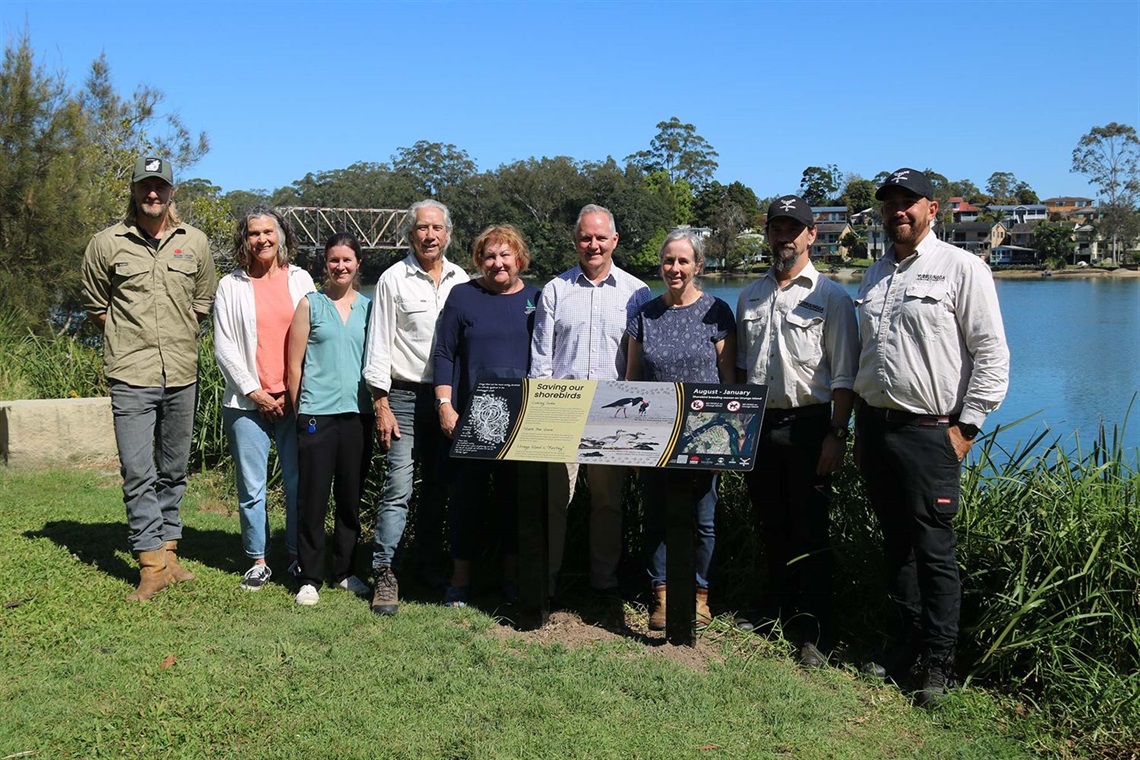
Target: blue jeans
[
  {"x": 249, "y": 436},
  {"x": 703, "y": 485},
  {"x": 153, "y": 427},
  {"x": 420, "y": 441}
]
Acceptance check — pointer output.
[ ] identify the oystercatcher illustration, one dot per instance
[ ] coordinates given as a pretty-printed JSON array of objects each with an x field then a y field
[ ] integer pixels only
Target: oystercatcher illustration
[
  {"x": 641, "y": 408},
  {"x": 623, "y": 405}
]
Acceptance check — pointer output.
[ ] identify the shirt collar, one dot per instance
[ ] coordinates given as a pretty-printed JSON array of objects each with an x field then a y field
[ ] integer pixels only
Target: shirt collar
[
  {"x": 414, "y": 269},
  {"x": 579, "y": 277},
  {"x": 809, "y": 273}
]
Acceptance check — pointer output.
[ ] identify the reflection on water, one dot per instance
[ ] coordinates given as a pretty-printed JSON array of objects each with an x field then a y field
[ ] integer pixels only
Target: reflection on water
[{"x": 1074, "y": 355}]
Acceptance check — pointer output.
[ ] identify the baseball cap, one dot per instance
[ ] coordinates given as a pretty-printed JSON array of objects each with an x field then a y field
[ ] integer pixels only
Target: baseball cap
[
  {"x": 911, "y": 180},
  {"x": 148, "y": 166},
  {"x": 793, "y": 207}
]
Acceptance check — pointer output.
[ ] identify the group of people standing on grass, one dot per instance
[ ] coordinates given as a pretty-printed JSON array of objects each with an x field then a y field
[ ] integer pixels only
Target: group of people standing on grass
[{"x": 920, "y": 356}]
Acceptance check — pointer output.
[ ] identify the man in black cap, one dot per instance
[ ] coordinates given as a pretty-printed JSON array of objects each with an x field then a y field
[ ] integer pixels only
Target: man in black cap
[
  {"x": 797, "y": 334},
  {"x": 934, "y": 363},
  {"x": 148, "y": 281}
]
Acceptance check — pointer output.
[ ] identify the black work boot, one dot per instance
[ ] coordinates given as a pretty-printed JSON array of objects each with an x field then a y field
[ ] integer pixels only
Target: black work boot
[{"x": 938, "y": 677}]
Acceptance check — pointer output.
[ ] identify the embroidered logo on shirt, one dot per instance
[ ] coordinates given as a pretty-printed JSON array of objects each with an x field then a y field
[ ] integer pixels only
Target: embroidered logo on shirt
[
  {"x": 943, "y": 501},
  {"x": 178, "y": 254},
  {"x": 924, "y": 277},
  {"x": 529, "y": 307},
  {"x": 810, "y": 307}
]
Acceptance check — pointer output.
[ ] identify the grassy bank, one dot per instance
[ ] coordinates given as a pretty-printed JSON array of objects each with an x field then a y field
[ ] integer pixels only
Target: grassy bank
[
  {"x": 1048, "y": 544},
  {"x": 206, "y": 670}
]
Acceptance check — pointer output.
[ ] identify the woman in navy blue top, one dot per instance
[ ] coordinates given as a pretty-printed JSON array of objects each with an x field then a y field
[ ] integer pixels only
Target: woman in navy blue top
[
  {"x": 687, "y": 336},
  {"x": 483, "y": 334}
]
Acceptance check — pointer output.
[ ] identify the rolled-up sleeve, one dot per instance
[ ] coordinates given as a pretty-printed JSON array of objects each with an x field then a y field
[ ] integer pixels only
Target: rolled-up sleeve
[
  {"x": 542, "y": 342},
  {"x": 979, "y": 318},
  {"x": 841, "y": 338},
  {"x": 96, "y": 280},
  {"x": 381, "y": 332},
  {"x": 228, "y": 349},
  {"x": 205, "y": 283}
]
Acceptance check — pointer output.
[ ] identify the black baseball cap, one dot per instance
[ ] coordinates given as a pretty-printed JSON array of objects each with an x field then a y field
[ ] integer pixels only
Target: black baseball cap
[
  {"x": 149, "y": 166},
  {"x": 911, "y": 180},
  {"x": 793, "y": 207}
]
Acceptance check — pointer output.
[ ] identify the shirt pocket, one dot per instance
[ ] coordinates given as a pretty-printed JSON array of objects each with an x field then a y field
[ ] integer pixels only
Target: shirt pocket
[
  {"x": 182, "y": 272},
  {"x": 803, "y": 336},
  {"x": 131, "y": 275},
  {"x": 926, "y": 309},
  {"x": 413, "y": 316}
]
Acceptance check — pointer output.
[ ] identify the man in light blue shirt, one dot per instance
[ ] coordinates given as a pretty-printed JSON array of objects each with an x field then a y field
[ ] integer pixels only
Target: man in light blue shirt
[{"x": 579, "y": 334}]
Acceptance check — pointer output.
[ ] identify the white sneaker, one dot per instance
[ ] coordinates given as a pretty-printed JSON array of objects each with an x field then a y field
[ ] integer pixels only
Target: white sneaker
[
  {"x": 355, "y": 585},
  {"x": 308, "y": 595}
]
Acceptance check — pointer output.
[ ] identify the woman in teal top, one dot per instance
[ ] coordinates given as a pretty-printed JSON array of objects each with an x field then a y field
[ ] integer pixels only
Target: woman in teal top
[{"x": 334, "y": 418}]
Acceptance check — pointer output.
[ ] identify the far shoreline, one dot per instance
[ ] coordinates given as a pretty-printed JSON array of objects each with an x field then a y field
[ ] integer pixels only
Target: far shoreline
[{"x": 851, "y": 274}]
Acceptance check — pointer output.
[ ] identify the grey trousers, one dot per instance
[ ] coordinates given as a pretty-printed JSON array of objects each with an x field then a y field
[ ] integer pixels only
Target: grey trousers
[{"x": 153, "y": 427}]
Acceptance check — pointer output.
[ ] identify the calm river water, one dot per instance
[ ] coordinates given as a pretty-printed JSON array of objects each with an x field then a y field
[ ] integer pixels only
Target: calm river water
[{"x": 1075, "y": 356}]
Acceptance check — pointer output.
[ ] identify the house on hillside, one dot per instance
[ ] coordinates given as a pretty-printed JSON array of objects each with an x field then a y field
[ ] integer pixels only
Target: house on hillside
[
  {"x": 961, "y": 211},
  {"x": 827, "y": 246},
  {"x": 1020, "y": 213},
  {"x": 975, "y": 237},
  {"x": 1060, "y": 206},
  {"x": 1021, "y": 234},
  {"x": 1013, "y": 254},
  {"x": 829, "y": 214}
]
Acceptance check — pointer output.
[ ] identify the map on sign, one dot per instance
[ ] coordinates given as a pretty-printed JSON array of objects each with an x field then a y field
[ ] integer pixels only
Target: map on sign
[{"x": 635, "y": 424}]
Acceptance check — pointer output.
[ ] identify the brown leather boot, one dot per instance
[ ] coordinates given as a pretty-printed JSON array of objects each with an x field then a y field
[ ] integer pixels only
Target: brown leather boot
[
  {"x": 704, "y": 616},
  {"x": 153, "y": 576},
  {"x": 657, "y": 609},
  {"x": 178, "y": 574}
]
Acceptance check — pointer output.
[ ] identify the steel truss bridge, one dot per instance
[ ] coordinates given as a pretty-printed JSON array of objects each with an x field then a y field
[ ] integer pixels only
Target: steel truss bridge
[{"x": 377, "y": 229}]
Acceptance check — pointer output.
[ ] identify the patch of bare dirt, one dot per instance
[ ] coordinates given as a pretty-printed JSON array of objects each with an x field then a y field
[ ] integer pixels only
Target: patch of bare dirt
[{"x": 570, "y": 629}]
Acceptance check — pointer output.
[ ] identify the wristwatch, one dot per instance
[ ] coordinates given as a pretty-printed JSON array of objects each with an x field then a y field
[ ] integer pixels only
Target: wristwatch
[
  {"x": 439, "y": 402},
  {"x": 969, "y": 432},
  {"x": 840, "y": 432}
]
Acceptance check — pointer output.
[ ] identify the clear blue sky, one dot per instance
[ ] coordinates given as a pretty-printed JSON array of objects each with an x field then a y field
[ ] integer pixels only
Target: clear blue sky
[{"x": 287, "y": 88}]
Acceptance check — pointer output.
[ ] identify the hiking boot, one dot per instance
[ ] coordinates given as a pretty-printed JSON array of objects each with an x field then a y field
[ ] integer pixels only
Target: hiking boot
[
  {"x": 704, "y": 615},
  {"x": 256, "y": 577},
  {"x": 657, "y": 609},
  {"x": 308, "y": 595},
  {"x": 386, "y": 593},
  {"x": 354, "y": 585},
  {"x": 153, "y": 575},
  {"x": 178, "y": 574},
  {"x": 937, "y": 679}
]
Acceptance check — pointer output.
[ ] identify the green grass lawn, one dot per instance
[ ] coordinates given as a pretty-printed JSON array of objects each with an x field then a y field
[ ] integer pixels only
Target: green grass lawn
[{"x": 206, "y": 670}]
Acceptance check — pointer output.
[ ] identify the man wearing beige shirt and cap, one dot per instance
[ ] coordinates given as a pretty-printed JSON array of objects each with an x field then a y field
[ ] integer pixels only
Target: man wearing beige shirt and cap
[
  {"x": 147, "y": 282},
  {"x": 934, "y": 363},
  {"x": 797, "y": 335}
]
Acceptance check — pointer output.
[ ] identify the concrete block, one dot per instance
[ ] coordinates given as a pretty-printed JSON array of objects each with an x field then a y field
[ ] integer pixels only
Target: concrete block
[{"x": 53, "y": 432}]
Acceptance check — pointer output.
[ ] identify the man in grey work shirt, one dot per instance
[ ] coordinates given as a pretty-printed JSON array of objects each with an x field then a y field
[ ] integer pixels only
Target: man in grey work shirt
[
  {"x": 147, "y": 282},
  {"x": 797, "y": 335},
  {"x": 579, "y": 334},
  {"x": 934, "y": 363}
]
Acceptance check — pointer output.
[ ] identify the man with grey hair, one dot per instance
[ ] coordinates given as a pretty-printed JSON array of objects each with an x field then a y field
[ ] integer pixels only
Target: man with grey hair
[
  {"x": 147, "y": 282},
  {"x": 797, "y": 335},
  {"x": 397, "y": 367},
  {"x": 579, "y": 334}
]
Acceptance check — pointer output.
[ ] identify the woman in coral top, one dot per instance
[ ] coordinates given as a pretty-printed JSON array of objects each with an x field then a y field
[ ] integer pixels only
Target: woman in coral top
[{"x": 252, "y": 314}]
